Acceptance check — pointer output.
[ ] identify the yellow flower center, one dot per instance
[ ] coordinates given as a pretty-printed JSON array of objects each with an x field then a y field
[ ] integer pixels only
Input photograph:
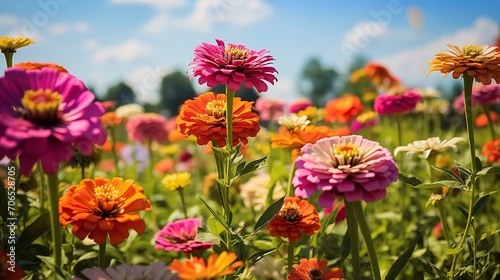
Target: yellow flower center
[
  {"x": 345, "y": 154},
  {"x": 235, "y": 53},
  {"x": 366, "y": 117},
  {"x": 41, "y": 106},
  {"x": 216, "y": 109},
  {"x": 290, "y": 212},
  {"x": 472, "y": 50},
  {"x": 108, "y": 201},
  {"x": 106, "y": 193}
]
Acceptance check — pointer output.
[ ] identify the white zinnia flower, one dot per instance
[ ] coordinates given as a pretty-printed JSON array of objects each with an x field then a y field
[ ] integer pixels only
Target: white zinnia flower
[
  {"x": 128, "y": 110},
  {"x": 292, "y": 121},
  {"x": 254, "y": 192},
  {"x": 429, "y": 146}
]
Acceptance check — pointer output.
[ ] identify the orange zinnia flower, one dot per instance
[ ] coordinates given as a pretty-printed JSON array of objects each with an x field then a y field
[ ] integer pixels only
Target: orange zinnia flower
[
  {"x": 38, "y": 66},
  {"x": 111, "y": 119},
  {"x": 295, "y": 217},
  {"x": 480, "y": 62},
  {"x": 205, "y": 118},
  {"x": 295, "y": 139},
  {"x": 491, "y": 149},
  {"x": 100, "y": 207},
  {"x": 377, "y": 74},
  {"x": 313, "y": 270},
  {"x": 482, "y": 120},
  {"x": 216, "y": 267},
  {"x": 343, "y": 109}
]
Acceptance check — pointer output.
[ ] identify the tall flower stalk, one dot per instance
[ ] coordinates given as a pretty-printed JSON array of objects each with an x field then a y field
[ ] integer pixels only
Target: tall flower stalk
[{"x": 471, "y": 62}]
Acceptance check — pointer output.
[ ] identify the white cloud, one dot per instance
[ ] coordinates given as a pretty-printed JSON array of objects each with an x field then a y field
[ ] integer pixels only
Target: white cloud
[
  {"x": 411, "y": 65},
  {"x": 157, "y": 4},
  {"x": 61, "y": 28},
  {"x": 145, "y": 81},
  {"x": 58, "y": 28},
  {"x": 90, "y": 45},
  {"x": 206, "y": 14},
  {"x": 8, "y": 20},
  {"x": 124, "y": 52}
]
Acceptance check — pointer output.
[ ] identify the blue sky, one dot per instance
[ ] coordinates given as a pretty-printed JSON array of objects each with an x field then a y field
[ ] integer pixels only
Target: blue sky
[{"x": 139, "y": 41}]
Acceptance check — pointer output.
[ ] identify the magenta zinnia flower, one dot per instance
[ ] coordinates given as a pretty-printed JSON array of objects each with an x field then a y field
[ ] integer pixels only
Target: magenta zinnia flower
[
  {"x": 180, "y": 236},
  {"x": 348, "y": 167},
  {"x": 392, "y": 104},
  {"x": 232, "y": 65},
  {"x": 42, "y": 114},
  {"x": 300, "y": 105},
  {"x": 149, "y": 126},
  {"x": 270, "y": 110},
  {"x": 489, "y": 94}
]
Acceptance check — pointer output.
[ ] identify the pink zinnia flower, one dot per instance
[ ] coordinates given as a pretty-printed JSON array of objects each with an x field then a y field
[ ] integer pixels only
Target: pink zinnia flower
[
  {"x": 489, "y": 94},
  {"x": 392, "y": 104},
  {"x": 180, "y": 236},
  {"x": 42, "y": 114},
  {"x": 300, "y": 105},
  {"x": 270, "y": 110},
  {"x": 232, "y": 65},
  {"x": 459, "y": 104},
  {"x": 348, "y": 167},
  {"x": 149, "y": 126}
]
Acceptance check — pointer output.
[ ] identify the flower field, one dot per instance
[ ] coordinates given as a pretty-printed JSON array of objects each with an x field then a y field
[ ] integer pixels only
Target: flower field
[{"x": 379, "y": 186}]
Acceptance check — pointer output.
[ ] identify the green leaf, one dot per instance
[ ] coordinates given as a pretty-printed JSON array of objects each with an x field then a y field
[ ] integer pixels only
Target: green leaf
[
  {"x": 479, "y": 164},
  {"x": 345, "y": 246},
  {"x": 239, "y": 168},
  {"x": 443, "y": 183},
  {"x": 204, "y": 235},
  {"x": 489, "y": 171},
  {"x": 400, "y": 263},
  {"x": 36, "y": 229},
  {"x": 259, "y": 255},
  {"x": 254, "y": 166},
  {"x": 409, "y": 179},
  {"x": 488, "y": 234},
  {"x": 480, "y": 204},
  {"x": 442, "y": 276},
  {"x": 60, "y": 274},
  {"x": 215, "y": 215},
  {"x": 269, "y": 214},
  {"x": 463, "y": 211},
  {"x": 214, "y": 226},
  {"x": 448, "y": 172},
  {"x": 453, "y": 251}
]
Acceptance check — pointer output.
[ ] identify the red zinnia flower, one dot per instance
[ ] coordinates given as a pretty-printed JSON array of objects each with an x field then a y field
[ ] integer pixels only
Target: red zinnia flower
[
  {"x": 313, "y": 270},
  {"x": 343, "y": 109},
  {"x": 491, "y": 149},
  {"x": 205, "y": 118},
  {"x": 232, "y": 65},
  {"x": 295, "y": 217}
]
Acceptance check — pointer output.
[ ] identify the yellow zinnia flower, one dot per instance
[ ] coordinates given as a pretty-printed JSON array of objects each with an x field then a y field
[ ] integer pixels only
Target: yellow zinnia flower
[
  {"x": 9, "y": 44},
  {"x": 479, "y": 62},
  {"x": 176, "y": 180}
]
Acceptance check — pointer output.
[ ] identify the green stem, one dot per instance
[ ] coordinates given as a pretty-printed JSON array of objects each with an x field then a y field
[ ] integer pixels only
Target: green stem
[
  {"x": 289, "y": 190},
  {"x": 365, "y": 231},
  {"x": 401, "y": 184},
  {"x": 42, "y": 187},
  {"x": 291, "y": 249},
  {"x": 151, "y": 159},
  {"x": 446, "y": 228},
  {"x": 82, "y": 171},
  {"x": 352, "y": 226},
  {"x": 228, "y": 162},
  {"x": 426, "y": 121},
  {"x": 486, "y": 109},
  {"x": 54, "y": 218},
  {"x": 183, "y": 202},
  {"x": 468, "y": 81},
  {"x": 102, "y": 254},
  {"x": 112, "y": 133},
  {"x": 8, "y": 58}
]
